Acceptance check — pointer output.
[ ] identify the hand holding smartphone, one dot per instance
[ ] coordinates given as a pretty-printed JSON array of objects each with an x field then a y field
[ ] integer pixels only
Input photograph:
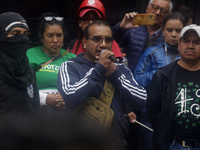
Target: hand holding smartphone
[{"x": 144, "y": 19}]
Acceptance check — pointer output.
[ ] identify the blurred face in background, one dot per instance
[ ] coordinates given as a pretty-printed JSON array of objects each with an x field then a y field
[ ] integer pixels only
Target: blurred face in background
[
  {"x": 189, "y": 22},
  {"x": 52, "y": 39},
  {"x": 159, "y": 8},
  {"x": 88, "y": 18},
  {"x": 171, "y": 31}
]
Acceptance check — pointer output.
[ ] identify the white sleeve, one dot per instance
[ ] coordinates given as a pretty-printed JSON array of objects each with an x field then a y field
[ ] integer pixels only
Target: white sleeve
[{"x": 43, "y": 97}]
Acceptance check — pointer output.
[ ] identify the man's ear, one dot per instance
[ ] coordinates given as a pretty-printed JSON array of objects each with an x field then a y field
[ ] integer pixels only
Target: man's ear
[{"x": 84, "y": 41}]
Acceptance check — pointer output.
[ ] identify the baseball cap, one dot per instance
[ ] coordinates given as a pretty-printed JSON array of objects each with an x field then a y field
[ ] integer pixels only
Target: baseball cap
[
  {"x": 192, "y": 27},
  {"x": 84, "y": 11}
]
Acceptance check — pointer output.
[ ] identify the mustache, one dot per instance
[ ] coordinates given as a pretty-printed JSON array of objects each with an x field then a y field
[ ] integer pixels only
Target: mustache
[{"x": 190, "y": 50}]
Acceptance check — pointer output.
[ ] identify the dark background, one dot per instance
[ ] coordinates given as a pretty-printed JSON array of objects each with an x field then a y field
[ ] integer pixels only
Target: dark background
[{"x": 115, "y": 10}]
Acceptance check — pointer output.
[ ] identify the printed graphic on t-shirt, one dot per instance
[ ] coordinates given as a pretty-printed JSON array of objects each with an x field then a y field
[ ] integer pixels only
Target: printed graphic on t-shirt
[
  {"x": 50, "y": 68},
  {"x": 187, "y": 108}
]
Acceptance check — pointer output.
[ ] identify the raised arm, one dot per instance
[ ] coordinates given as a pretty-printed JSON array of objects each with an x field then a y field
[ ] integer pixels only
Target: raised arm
[
  {"x": 120, "y": 29},
  {"x": 74, "y": 88},
  {"x": 134, "y": 94}
]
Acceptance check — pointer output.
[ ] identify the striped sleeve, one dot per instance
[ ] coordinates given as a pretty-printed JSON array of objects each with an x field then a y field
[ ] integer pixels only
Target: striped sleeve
[
  {"x": 73, "y": 88},
  {"x": 134, "y": 94}
]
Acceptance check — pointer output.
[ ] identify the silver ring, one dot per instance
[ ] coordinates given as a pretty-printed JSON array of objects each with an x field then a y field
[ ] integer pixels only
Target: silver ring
[{"x": 58, "y": 103}]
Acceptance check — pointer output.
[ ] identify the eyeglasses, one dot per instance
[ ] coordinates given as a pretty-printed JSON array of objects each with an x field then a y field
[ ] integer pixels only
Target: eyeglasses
[
  {"x": 87, "y": 20},
  {"x": 162, "y": 10},
  {"x": 49, "y": 18},
  {"x": 99, "y": 40}
]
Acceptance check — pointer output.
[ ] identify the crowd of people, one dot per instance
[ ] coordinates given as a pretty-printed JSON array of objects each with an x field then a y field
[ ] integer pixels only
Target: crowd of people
[{"x": 42, "y": 89}]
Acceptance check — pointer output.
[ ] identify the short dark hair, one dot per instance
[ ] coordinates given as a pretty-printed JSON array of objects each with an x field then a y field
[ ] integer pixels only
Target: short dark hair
[
  {"x": 185, "y": 11},
  {"x": 44, "y": 23},
  {"x": 98, "y": 22},
  {"x": 174, "y": 16}
]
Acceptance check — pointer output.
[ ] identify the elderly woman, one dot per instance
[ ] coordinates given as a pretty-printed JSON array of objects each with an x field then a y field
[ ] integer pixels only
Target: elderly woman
[{"x": 18, "y": 91}]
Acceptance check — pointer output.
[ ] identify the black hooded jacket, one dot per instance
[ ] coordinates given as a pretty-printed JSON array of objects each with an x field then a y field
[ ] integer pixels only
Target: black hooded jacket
[{"x": 18, "y": 90}]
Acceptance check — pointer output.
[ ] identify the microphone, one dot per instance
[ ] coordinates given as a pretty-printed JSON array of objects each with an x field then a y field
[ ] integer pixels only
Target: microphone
[{"x": 111, "y": 57}]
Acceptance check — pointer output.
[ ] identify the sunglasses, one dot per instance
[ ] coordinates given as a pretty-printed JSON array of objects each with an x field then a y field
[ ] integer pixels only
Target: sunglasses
[
  {"x": 49, "y": 18},
  {"x": 99, "y": 40},
  {"x": 162, "y": 10}
]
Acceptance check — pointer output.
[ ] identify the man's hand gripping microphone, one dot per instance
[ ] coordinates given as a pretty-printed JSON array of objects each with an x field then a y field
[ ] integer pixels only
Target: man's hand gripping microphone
[{"x": 111, "y": 57}]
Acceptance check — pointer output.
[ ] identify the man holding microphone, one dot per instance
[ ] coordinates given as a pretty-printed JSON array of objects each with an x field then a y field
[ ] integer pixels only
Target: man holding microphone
[{"x": 85, "y": 75}]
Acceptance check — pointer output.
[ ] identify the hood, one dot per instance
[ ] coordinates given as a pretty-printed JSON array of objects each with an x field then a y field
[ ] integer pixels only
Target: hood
[
  {"x": 166, "y": 70},
  {"x": 14, "y": 65},
  {"x": 10, "y": 20},
  {"x": 81, "y": 59}
]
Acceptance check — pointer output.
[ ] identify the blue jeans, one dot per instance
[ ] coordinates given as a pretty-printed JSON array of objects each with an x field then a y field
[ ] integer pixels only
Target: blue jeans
[{"x": 177, "y": 146}]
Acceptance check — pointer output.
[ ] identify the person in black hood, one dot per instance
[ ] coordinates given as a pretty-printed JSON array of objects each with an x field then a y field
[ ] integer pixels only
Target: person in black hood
[{"x": 18, "y": 91}]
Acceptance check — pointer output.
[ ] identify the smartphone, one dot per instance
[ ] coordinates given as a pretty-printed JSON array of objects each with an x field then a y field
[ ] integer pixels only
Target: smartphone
[{"x": 144, "y": 19}]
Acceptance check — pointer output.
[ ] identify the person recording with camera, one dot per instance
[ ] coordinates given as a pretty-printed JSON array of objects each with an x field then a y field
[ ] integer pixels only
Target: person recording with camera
[
  {"x": 87, "y": 75},
  {"x": 135, "y": 39}
]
